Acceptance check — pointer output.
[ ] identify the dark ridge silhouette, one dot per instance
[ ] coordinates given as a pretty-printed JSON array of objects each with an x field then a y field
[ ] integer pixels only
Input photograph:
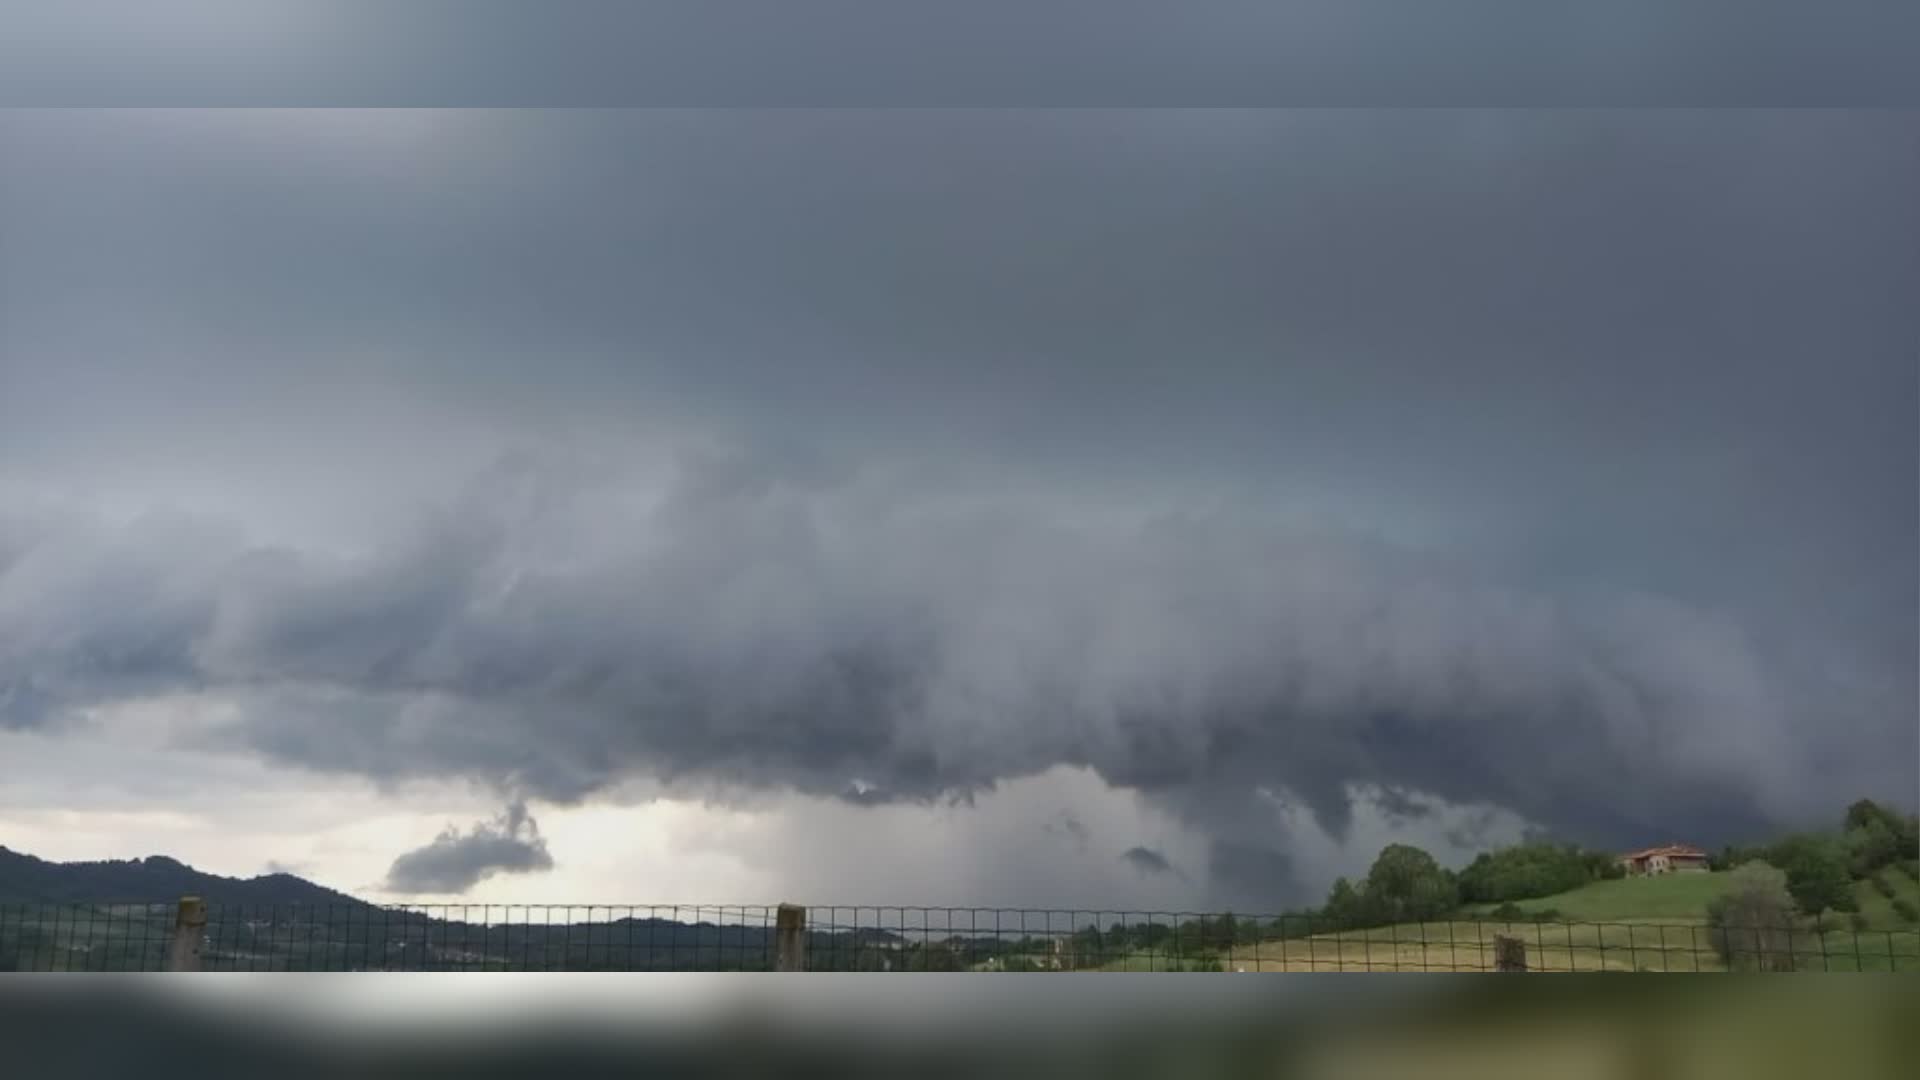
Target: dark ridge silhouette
[{"x": 155, "y": 879}]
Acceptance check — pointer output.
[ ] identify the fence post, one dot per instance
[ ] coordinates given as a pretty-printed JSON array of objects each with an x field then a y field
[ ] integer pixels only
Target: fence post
[
  {"x": 790, "y": 938},
  {"x": 189, "y": 925},
  {"x": 1509, "y": 953}
]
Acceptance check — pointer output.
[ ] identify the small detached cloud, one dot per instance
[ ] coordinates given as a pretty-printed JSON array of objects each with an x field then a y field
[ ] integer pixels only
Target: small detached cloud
[
  {"x": 1148, "y": 861},
  {"x": 1065, "y": 824},
  {"x": 455, "y": 862}
]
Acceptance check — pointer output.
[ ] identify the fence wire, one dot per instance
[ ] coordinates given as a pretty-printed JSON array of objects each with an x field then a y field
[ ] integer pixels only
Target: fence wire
[{"x": 576, "y": 937}]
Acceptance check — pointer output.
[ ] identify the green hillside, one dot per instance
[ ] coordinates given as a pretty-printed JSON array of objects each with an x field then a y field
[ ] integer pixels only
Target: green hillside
[
  {"x": 1642, "y": 923},
  {"x": 1879, "y": 909},
  {"x": 1664, "y": 897},
  {"x": 1684, "y": 897}
]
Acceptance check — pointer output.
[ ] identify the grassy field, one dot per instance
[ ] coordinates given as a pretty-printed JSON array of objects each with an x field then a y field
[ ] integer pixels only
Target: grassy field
[
  {"x": 1684, "y": 897},
  {"x": 1636, "y": 924},
  {"x": 1468, "y": 946},
  {"x": 1879, "y": 909},
  {"x": 1681, "y": 897}
]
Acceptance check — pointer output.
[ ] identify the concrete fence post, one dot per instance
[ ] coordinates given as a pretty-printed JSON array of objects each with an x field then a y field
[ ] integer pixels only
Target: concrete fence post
[
  {"x": 1509, "y": 953},
  {"x": 790, "y": 938},
  {"x": 189, "y": 927}
]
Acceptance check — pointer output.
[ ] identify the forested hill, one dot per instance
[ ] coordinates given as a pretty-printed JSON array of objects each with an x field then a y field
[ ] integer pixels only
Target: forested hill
[{"x": 155, "y": 879}]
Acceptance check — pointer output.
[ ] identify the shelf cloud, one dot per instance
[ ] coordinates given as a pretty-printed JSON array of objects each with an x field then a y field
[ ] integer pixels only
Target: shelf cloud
[{"x": 1560, "y": 464}]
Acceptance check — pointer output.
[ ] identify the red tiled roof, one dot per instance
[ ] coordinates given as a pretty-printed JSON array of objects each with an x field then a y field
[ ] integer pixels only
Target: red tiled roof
[{"x": 1683, "y": 851}]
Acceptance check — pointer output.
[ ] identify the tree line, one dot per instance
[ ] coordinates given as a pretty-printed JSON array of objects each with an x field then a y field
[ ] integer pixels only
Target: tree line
[
  {"x": 1818, "y": 871},
  {"x": 1794, "y": 884}
]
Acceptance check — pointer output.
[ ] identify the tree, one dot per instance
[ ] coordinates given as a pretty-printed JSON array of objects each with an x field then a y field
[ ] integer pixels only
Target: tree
[
  {"x": 1344, "y": 909},
  {"x": 1870, "y": 847},
  {"x": 1226, "y": 932},
  {"x": 1881, "y": 835},
  {"x": 1817, "y": 867},
  {"x": 1525, "y": 871},
  {"x": 1603, "y": 865},
  {"x": 1406, "y": 884},
  {"x": 1751, "y": 923}
]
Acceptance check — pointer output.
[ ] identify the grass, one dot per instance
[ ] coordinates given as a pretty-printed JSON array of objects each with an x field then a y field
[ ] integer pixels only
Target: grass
[
  {"x": 1879, "y": 909},
  {"x": 1644, "y": 923},
  {"x": 1551, "y": 947},
  {"x": 1680, "y": 897},
  {"x": 1467, "y": 946}
]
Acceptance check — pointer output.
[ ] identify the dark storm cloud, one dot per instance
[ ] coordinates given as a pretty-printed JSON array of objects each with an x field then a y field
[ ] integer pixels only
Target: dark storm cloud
[
  {"x": 1147, "y": 861},
  {"x": 455, "y": 861},
  {"x": 1551, "y": 330},
  {"x": 787, "y": 633},
  {"x": 1556, "y": 462},
  {"x": 1245, "y": 875},
  {"x": 883, "y": 53}
]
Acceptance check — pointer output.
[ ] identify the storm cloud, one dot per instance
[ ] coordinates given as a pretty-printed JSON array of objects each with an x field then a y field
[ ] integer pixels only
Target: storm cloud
[
  {"x": 455, "y": 861},
  {"x": 1562, "y": 464},
  {"x": 790, "y": 632},
  {"x": 1147, "y": 861}
]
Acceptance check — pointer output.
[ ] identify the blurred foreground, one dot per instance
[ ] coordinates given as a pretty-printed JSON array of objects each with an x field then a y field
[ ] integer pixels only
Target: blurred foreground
[{"x": 1311, "y": 1027}]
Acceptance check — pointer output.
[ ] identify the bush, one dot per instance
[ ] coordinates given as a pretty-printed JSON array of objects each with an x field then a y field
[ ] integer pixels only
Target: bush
[
  {"x": 1405, "y": 884},
  {"x": 1817, "y": 869},
  {"x": 1507, "y": 912},
  {"x": 1298, "y": 924},
  {"x": 1905, "y": 909},
  {"x": 1751, "y": 924},
  {"x": 1882, "y": 885},
  {"x": 1877, "y": 836},
  {"x": 934, "y": 958},
  {"x": 1345, "y": 909},
  {"x": 1547, "y": 915},
  {"x": 1528, "y": 871},
  {"x": 1859, "y": 921},
  {"x": 1911, "y": 868}
]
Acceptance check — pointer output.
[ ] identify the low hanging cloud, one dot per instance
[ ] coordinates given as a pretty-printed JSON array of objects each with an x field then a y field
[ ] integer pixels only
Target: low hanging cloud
[
  {"x": 772, "y": 627},
  {"x": 1148, "y": 861},
  {"x": 1483, "y": 461},
  {"x": 455, "y": 861}
]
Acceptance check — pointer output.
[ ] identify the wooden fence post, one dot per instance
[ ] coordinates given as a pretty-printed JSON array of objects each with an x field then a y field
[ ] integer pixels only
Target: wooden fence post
[
  {"x": 790, "y": 938},
  {"x": 189, "y": 926},
  {"x": 1509, "y": 953}
]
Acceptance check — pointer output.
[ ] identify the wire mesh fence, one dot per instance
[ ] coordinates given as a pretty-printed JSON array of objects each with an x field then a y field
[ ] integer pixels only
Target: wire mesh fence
[{"x": 477, "y": 937}]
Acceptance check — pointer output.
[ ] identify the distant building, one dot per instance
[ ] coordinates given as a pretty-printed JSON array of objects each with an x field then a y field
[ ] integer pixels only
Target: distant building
[{"x": 1668, "y": 859}]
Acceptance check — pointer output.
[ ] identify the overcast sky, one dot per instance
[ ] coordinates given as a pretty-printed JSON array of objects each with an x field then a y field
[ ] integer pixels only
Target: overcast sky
[{"x": 1077, "y": 507}]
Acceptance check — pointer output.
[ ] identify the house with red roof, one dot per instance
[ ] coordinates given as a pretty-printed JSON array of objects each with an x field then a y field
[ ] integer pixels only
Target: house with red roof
[{"x": 1666, "y": 859}]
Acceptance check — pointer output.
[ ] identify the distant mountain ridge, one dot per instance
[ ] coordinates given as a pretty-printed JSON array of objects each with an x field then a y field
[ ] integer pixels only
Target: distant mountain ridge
[
  {"x": 155, "y": 879},
  {"x": 50, "y": 921}
]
